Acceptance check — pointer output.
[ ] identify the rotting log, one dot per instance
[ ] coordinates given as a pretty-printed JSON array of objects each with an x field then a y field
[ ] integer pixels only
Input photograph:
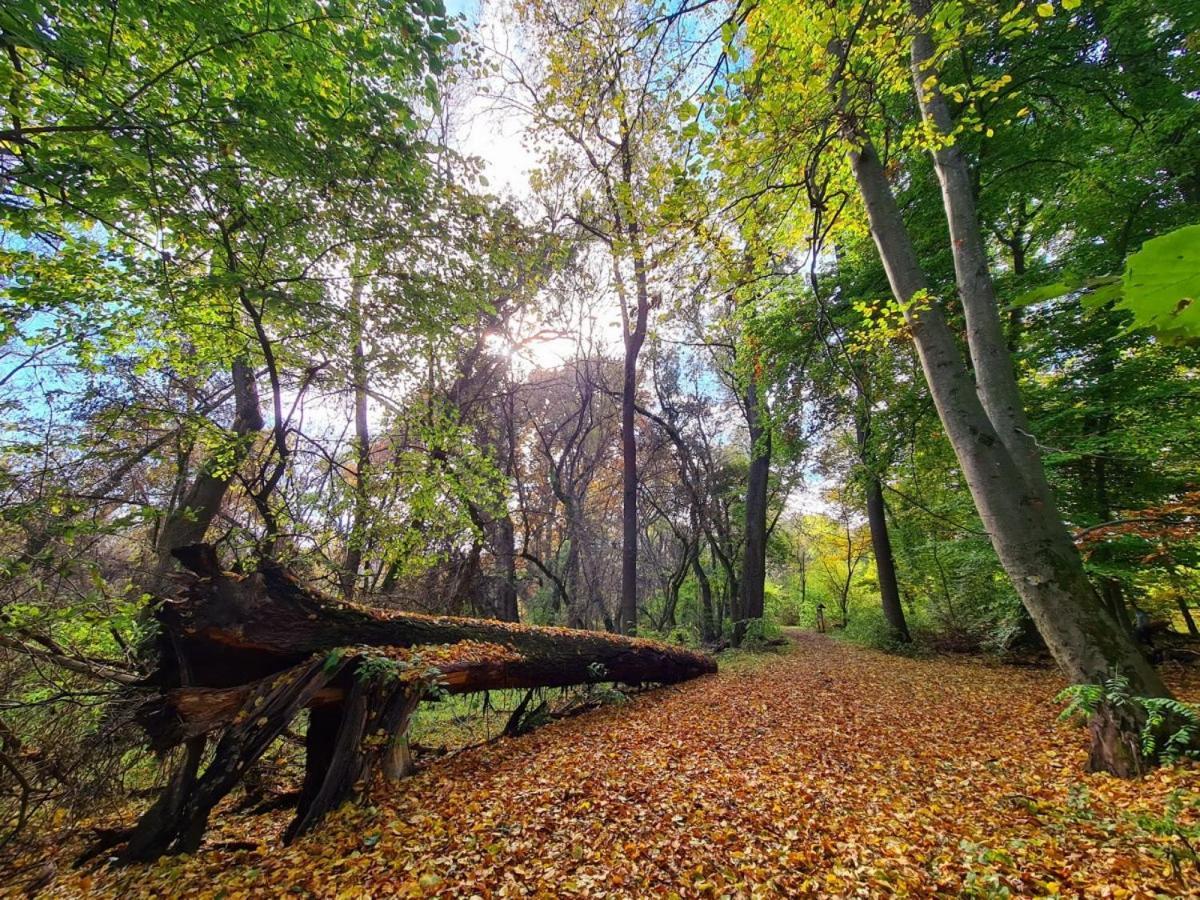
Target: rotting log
[
  {"x": 235, "y": 629},
  {"x": 240, "y": 656}
]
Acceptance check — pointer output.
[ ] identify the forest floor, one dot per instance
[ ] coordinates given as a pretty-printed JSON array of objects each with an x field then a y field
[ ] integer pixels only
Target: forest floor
[{"x": 823, "y": 770}]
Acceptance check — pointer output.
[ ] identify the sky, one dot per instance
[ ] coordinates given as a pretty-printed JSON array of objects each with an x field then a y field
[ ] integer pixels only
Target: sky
[{"x": 484, "y": 130}]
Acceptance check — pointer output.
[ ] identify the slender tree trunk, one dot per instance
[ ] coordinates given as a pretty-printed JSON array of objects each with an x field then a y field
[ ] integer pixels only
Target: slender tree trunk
[
  {"x": 885, "y": 561},
  {"x": 881, "y": 542},
  {"x": 1187, "y": 615},
  {"x": 754, "y": 558},
  {"x": 708, "y": 628},
  {"x": 189, "y": 521},
  {"x": 629, "y": 472},
  {"x": 504, "y": 546},
  {"x": 634, "y": 334},
  {"x": 730, "y": 596},
  {"x": 356, "y": 540},
  {"x": 574, "y": 575},
  {"x": 677, "y": 577}
]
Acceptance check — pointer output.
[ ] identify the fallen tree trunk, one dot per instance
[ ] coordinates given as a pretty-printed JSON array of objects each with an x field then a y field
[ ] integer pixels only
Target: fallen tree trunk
[{"x": 242, "y": 655}]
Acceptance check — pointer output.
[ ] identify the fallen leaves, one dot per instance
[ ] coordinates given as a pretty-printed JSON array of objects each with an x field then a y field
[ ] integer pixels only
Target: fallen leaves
[{"x": 828, "y": 771}]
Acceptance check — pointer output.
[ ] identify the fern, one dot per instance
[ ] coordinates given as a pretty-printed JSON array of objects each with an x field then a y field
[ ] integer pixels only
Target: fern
[
  {"x": 1155, "y": 712},
  {"x": 1081, "y": 699}
]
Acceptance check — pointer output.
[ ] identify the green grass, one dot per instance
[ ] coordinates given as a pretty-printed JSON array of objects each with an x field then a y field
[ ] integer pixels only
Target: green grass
[
  {"x": 461, "y": 720},
  {"x": 740, "y": 661}
]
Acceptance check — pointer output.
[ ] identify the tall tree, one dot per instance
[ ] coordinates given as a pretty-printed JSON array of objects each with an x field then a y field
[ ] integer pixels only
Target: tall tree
[
  {"x": 606, "y": 88},
  {"x": 978, "y": 403}
]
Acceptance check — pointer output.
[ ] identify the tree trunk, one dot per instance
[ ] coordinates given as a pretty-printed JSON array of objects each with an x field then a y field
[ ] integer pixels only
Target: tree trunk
[
  {"x": 189, "y": 521},
  {"x": 881, "y": 542},
  {"x": 885, "y": 561},
  {"x": 356, "y": 540},
  {"x": 1029, "y": 537},
  {"x": 708, "y": 627},
  {"x": 573, "y": 565},
  {"x": 258, "y": 649},
  {"x": 629, "y": 476},
  {"x": 730, "y": 596},
  {"x": 803, "y": 560},
  {"x": 1113, "y": 596},
  {"x": 233, "y": 628},
  {"x": 1187, "y": 615},
  {"x": 633, "y": 337},
  {"x": 754, "y": 559},
  {"x": 675, "y": 581},
  {"x": 504, "y": 547},
  {"x": 995, "y": 378},
  {"x": 1033, "y": 545}
]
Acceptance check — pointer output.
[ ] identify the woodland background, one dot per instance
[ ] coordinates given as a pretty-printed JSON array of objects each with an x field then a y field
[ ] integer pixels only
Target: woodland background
[{"x": 256, "y": 289}]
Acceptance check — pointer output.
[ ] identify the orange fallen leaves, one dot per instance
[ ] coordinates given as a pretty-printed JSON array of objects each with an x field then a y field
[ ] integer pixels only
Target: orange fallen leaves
[{"x": 830, "y": 771}]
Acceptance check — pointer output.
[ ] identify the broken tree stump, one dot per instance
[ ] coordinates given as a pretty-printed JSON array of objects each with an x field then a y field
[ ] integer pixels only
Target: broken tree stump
[{"x": 240, "y": 656}]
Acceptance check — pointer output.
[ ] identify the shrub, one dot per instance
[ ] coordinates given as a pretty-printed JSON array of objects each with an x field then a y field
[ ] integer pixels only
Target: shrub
[{"x": 759, "y": 633}]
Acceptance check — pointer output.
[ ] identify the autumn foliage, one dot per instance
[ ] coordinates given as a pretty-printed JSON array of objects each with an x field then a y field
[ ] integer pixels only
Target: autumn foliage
[{"x": 828, "y": 771}]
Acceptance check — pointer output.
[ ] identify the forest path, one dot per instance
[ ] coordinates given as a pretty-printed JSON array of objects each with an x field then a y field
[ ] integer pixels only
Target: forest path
[{"x": 827, "y": 770}]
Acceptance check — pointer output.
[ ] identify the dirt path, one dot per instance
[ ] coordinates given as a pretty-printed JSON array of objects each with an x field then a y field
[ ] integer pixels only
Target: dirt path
[{"x": 829, "y": 770}]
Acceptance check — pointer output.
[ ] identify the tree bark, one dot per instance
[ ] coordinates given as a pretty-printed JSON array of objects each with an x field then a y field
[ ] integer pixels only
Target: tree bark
[
  {"x": 629, "y": 472},
  {"x": 189, "y": 521},
  {"x": 754, "y": 559},
  {"x": 504, "y": 547},
  {"x": 1186, "y": 612},
  {"x": 230, "y": 626},
  {"x": 634, "y": 334},
  {"x": 1033, "y": 545},
  {"x": 176, "y": 823},
  {"x": 244, "y": 654},
  {"x": 356, "y": 539},
  {"x": 885, "y": 561},
  {"x": 995, "y": 378},
  {"x": 881, "y": 542}
]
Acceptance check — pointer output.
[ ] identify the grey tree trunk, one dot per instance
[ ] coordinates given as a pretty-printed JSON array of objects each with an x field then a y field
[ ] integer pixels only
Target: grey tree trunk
[
  {"x": 504, "y": 546},
  {"x": 1029, "y": 537},
  {"x": 634, "y": 334},
  {"x": 629, "y": 474},
  {"x": 995, "y": 379}
]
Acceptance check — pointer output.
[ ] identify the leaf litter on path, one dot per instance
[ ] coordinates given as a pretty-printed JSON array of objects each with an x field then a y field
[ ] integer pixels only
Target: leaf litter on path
[{"x": 828, "y": 770}]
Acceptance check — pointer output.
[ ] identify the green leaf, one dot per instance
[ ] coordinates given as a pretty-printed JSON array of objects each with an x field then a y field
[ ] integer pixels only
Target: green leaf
[
  {"x": 1162, "y": 284},
  {"x": 1059, "y": 288},
  {"x": 1102, "y": 291}
]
